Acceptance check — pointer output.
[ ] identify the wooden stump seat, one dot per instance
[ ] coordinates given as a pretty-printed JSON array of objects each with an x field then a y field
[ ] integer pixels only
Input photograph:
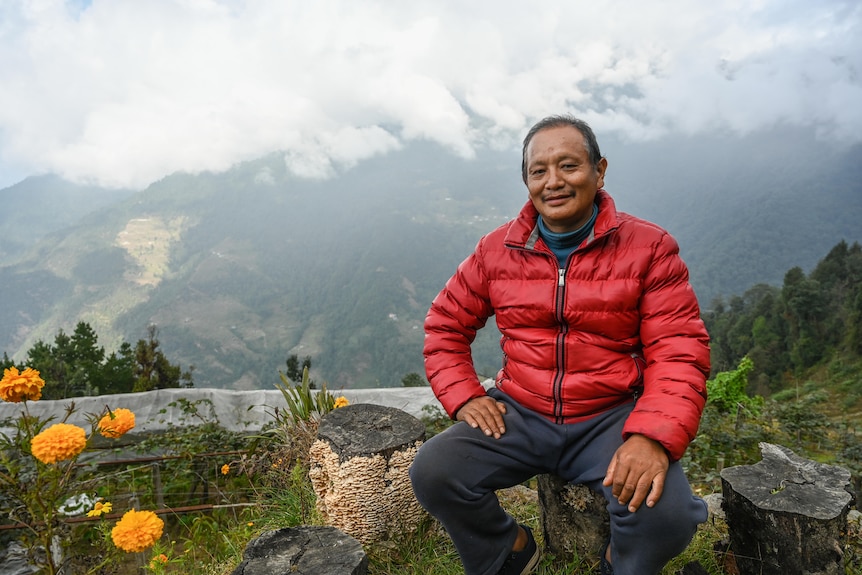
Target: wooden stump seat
[{"x": 359, "y": 470}]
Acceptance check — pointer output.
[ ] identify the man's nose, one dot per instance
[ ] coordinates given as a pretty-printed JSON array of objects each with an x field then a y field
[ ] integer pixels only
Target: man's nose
[{"x": 554, "y": 179}]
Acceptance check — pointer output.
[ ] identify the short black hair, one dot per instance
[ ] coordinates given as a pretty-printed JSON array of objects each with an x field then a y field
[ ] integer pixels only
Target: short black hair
[{"x": 593, "y": 151}]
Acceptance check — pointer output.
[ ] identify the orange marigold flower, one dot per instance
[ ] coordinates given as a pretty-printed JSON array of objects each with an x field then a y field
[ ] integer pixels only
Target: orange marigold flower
[
  {"x": 137, "y": 530},
  {"x": 160, "y": 558},
  {"x": 117, "y": 422},
  {"x": 100, "y": 509},
  {"x": 58, "y": 442},
  {"x": 16, "y": 387},
  {"x": 341, "y": 402},
  {"x": 225, "y": 469}
]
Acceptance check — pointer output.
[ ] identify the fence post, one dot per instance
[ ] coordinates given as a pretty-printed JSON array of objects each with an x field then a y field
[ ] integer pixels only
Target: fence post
[{"x": 157, "y": 485}]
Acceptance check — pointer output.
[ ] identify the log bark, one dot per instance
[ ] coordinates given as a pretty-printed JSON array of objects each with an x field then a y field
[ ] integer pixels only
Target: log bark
[
  {"x": 786, "y": 514},
  {"x": 574, "y": 518},
  {"x": 303, "y": 550},
  {"x": 359, "y": 470}
]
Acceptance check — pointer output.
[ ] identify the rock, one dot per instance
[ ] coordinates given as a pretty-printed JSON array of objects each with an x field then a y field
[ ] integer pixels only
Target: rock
[
  {"x": 714, "y": 503},
  {"x": 303, "y": 551},
  {"x": 14, "y": 560}
]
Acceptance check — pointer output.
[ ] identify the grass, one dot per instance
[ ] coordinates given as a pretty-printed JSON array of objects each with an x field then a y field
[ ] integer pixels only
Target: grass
[
  {"x": 427, "y": 551},
  {"x": 286, "y": 499}
]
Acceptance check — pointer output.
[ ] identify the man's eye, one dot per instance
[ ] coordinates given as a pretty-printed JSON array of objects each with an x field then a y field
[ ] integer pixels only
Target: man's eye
[{"x": 537, "y": 172}]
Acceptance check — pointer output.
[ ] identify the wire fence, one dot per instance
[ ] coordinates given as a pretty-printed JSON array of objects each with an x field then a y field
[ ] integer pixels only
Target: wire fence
[{"x": 152, "y": 466}]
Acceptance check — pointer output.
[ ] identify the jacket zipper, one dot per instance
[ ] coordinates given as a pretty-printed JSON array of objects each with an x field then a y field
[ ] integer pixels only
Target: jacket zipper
[{"x": 561, "y": 347}]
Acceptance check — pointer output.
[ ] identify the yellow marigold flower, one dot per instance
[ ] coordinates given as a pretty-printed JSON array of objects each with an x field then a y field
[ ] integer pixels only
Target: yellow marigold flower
[
  {"x": 341, "y": 402},
  {"x": 100, "y": 509},
  {"x": 117, "y": 422},
  {"x": 58, "y": 442},
  {"x": 16, "y": 387},
  {"x": 225, "y": 469},
  {"x": 137, "y": 530}
]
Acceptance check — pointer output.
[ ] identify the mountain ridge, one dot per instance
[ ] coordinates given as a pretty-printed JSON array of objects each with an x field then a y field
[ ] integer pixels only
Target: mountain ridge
[{"x": 241, "y": 269}]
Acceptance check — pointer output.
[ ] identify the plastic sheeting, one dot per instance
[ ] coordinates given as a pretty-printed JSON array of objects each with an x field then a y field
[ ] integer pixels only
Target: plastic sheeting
[{"x": 235, "y": 410}]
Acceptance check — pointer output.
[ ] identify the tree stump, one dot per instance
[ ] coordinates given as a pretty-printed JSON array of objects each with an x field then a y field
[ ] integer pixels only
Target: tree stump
[
  {"x": 574, "y": 518},
  {"x": 359, "y": 470},
  {"x": 786, "y": 514},
  {"x": 303, "y": 551}
]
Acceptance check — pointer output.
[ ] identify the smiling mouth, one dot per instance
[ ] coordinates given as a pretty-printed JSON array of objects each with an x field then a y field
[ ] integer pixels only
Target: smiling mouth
[{"x": 557, "y": 199}]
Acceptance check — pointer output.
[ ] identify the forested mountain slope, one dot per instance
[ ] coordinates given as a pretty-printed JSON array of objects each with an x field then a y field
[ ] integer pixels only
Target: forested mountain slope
[{"x": 241, "y": 269}]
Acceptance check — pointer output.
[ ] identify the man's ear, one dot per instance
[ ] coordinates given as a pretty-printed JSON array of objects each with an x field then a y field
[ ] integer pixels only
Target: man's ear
[{"x": 601, "y": 168}]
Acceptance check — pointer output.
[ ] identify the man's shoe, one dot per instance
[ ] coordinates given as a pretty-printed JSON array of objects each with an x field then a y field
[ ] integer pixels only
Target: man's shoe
[{"x": 524, "y": 561}]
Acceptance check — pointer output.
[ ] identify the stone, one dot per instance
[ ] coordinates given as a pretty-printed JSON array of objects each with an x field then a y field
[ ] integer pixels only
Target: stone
[
  {"x": 786, "y": 514},
  {"x": 714, "y": 506},
  {"x": 306, "y": 550}
]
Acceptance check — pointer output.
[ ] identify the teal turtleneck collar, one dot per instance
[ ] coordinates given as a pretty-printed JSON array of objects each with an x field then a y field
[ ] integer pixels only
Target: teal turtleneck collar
[{"x": 564, "y": 244}]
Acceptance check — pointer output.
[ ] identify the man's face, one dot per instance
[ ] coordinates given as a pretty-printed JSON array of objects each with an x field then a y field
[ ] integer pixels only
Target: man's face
[{"x": 561, "y": 180}]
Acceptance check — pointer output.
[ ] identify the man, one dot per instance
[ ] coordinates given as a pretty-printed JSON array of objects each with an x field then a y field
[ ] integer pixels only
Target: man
[{"x": 605, "y": 361}]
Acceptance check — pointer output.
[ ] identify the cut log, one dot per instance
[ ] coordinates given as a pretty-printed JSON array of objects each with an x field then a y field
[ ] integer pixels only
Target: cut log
[
  {"x": 359, "y": 471},
  {"x": 303, "y": 550},
  {"x": 786, "y": 514},
  {"x": 574, "y": 518}
]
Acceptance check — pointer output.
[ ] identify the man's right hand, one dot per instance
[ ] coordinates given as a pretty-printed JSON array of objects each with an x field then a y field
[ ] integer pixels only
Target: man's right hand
[{"x": 485, "y": 413}]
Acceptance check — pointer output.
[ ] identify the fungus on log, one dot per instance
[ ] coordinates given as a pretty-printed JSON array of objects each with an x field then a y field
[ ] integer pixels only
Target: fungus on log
[
  {"x": 575, "y": 519},
  {"x": 786, "y": 514},
  {"x": 303, "y": 550},
  {"x": 359, "y": 470}
]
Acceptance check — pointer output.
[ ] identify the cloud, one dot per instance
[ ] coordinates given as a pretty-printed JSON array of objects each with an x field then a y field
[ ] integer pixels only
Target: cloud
[{"x": 124, "y": 93}]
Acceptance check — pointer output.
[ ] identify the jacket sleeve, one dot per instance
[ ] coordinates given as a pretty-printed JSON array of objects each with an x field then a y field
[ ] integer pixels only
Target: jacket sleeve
[
  {"x": 456, "y": 314},
  {"x": 676, "y": 349}
]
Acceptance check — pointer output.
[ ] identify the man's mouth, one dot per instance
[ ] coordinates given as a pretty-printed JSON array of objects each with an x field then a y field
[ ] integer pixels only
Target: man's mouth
[{"x": 557, "y": 199}]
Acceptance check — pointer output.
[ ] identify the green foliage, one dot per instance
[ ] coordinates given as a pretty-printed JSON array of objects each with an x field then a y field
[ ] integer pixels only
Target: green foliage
[
  {"x": 413, "y": 379},
  {"x": 787, "y": 331},
  {"x": 295, "y": 369},
  {"x": 152, "y": 370},
  {"x": 39, "y": 496},
  {"x": 800, "y": 417},
  {"x": 727, "y": 390},
  {"x": 76, "y": 365},
  {"x": 72, "y": 366},
  {"x": 435, "y": 420},
  {"x": 290, "y": 498},
  {"x": 796, "y": 417},
  {"x": 303, "y": 403}
]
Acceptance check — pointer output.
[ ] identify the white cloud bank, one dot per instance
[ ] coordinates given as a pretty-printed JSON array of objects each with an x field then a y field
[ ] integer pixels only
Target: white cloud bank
[{"x": 124, "y": 93}]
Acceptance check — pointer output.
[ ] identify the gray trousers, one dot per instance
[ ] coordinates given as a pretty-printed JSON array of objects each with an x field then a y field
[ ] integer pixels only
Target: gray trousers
[{"x": 456, "y": 473}]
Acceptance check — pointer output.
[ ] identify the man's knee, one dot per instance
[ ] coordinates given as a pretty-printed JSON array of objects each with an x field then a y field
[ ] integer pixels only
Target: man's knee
[
  {"x": 428, "y": 473},
  {"x": 673, "y": 520}
]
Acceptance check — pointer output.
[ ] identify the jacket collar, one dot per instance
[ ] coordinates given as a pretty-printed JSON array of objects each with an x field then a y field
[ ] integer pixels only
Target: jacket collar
[{"x": 524, "y": 231}]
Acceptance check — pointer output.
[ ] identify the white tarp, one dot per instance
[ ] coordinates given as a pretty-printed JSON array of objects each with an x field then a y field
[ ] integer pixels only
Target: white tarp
[{"x": 235, "y": 410}]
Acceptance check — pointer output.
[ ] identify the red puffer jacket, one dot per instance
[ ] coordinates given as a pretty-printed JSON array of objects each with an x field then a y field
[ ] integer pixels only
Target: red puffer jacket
[{"x": 623, "y": 322}]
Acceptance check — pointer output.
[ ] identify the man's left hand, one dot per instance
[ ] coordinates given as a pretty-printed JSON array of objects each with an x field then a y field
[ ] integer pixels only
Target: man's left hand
[{"x": 637, "y": 472}]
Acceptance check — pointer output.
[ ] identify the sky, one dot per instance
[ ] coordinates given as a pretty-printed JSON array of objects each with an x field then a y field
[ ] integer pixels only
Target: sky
[{"x": 123, "y": 93}]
